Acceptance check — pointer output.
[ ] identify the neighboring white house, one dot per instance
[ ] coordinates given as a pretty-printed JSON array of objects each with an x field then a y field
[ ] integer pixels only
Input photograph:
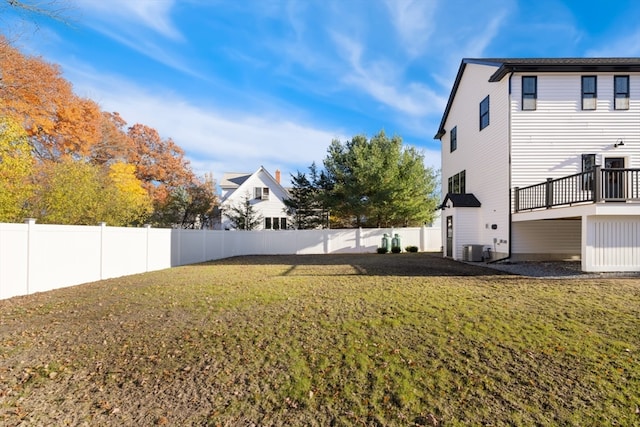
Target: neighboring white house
[
  {"x": 541, "y": 161},
  {"x": 265, "y": 194}
]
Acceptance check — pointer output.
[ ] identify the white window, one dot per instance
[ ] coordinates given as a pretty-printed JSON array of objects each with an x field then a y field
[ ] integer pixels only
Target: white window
[
  {"x": 589, "y": 92},
  {"x": 529, "y": 92},
  {"x": 621, "y": 89},
  {"x": 261, "y": 193}
]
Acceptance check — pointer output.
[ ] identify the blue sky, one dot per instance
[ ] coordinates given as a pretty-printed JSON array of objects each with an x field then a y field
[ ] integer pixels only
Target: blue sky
[{"x": 244, "y": 83}]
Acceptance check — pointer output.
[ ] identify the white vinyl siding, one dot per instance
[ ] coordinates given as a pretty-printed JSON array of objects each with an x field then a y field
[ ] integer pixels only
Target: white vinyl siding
[
  {"x": 265, "y": 196},
  {"x": 523, "y": 147},
  {"x": 484, "y": 156},
  {"x": 560, "y": 239},
  {"x": 613, "y": 243},
  {"x": 549, "y": 142},
  {"x": 467, "y": 230}
]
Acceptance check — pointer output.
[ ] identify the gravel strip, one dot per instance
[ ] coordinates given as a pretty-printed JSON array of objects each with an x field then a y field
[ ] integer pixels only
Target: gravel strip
[{"x": 552, "y": 270}]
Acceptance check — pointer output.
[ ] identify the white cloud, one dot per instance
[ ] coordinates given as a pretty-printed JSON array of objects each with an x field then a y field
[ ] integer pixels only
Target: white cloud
[
  {"x": 215, "y": 140},
  {"x": 381, "y": 81},
  {"x": 136, "y": 24},
  {"x": 413, "y": 20},
  {"x": 122, "y": 14},
  {"x": 477, "y": 45}
]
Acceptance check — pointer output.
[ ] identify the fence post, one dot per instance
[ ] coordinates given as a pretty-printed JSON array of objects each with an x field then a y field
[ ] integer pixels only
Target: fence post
[
  {"x": 549, "y": 193},
  {"x": 326, "y": 242},
  {"x": 597, "y": 184},
  {"x": 516, "y": 199},
  {"x": 31, "y": 222},
  {"x": 178, "y": 233},
  {"x": 103, "y": 228},
  {"x": 148, "y": 228}
]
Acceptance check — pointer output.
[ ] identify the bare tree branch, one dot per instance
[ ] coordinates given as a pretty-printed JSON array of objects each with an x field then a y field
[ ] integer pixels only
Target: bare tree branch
[{"x": 53, "y": 9}]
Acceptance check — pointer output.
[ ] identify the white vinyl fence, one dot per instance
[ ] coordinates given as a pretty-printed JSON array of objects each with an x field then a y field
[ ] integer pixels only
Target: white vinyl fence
[{"x": 39, "y": 257}]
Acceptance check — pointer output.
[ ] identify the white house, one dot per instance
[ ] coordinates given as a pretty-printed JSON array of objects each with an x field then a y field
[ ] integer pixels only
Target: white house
[
  {"x": 264, "y": 192},
  {"x": 541, "y": 161}
]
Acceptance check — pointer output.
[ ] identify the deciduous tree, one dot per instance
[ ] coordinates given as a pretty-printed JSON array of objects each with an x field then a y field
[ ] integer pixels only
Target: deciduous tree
[
  {"x": 16, "y": 166},
  {"x": 111, "y": 157},
  {"x": 188, "y": 206},
  {"x": 58, "y": 122},
  {"x": 198, "y": 212},
  {"x": 77, "y": 192},
  {"x": 114, "y": 144},
  {"x": 127, "y": 202},
  {"x": 69, "y": 192},
  {"x": 160, "y": 163}
]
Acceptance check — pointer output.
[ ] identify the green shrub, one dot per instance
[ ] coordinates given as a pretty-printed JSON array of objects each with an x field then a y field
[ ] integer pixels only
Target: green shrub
[
  {"x": 411, "y": 249},
  {"x": 396, "y": 249},
  {"x": 382, "y": 250}
]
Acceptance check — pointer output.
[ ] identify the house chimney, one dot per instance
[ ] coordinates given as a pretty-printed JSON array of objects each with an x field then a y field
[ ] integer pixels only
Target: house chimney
[{"x": 278, "y": 176}]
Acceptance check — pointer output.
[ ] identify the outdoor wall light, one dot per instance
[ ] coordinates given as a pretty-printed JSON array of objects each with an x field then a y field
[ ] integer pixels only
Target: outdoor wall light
[{"x": 619, "y": 143}]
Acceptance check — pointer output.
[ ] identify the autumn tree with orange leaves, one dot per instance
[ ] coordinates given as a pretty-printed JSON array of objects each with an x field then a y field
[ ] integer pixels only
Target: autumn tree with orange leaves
[
  {"x": 58, "y": 122},
  {"x": 88, "y": 165}
]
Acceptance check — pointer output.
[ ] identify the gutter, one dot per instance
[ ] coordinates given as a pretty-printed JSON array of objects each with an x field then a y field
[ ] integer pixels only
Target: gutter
[{"x": 510, "y": 233}]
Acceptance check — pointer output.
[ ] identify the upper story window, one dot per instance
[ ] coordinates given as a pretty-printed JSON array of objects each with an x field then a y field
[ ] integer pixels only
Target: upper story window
[
  {"x": 529, "y": 92},
  {"x": 484, "y": 113},
  {"x": 261, "y": 193},
  {"x": 621, "y": 92},
  {"x": 589, "y": 92},
  {"x": 454, "y": 139},
  {"x": 457, "y": 183}
]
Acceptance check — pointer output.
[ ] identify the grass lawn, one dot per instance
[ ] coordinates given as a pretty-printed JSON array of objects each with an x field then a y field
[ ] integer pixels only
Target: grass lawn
[{"x": 373, "y": 340}]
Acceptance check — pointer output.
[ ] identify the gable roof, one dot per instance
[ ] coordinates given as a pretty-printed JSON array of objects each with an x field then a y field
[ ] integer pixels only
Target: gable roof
[
  {"x": 236, "y": 181},
  {"x": 507, "y": 66},
  {"x": 466, "y": 200},
  {"x": 233, "y": 179}
]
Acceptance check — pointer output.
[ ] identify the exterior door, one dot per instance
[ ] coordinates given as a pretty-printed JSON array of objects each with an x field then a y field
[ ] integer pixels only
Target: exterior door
[
  {"x": 613, "y": 180},
  {"x": 450, "y": 236}
]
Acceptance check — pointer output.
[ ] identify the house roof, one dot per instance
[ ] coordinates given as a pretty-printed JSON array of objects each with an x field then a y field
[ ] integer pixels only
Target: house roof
[
  {"x": 507, "y": 66},
  {"x": 233, "y": 179},
  {"x": 466, "y": 200}
]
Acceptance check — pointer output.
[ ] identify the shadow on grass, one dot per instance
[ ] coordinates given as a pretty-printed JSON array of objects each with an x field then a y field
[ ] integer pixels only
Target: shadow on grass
[{"x": 404, "y": 264}]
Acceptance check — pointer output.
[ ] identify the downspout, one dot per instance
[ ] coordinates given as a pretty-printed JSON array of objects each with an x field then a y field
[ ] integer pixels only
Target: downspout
[{"x": 510, "y": 198}]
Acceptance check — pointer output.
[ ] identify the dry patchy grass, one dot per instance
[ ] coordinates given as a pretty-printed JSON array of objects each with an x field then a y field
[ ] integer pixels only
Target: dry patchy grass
[{"x": 376, "y": 340}]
